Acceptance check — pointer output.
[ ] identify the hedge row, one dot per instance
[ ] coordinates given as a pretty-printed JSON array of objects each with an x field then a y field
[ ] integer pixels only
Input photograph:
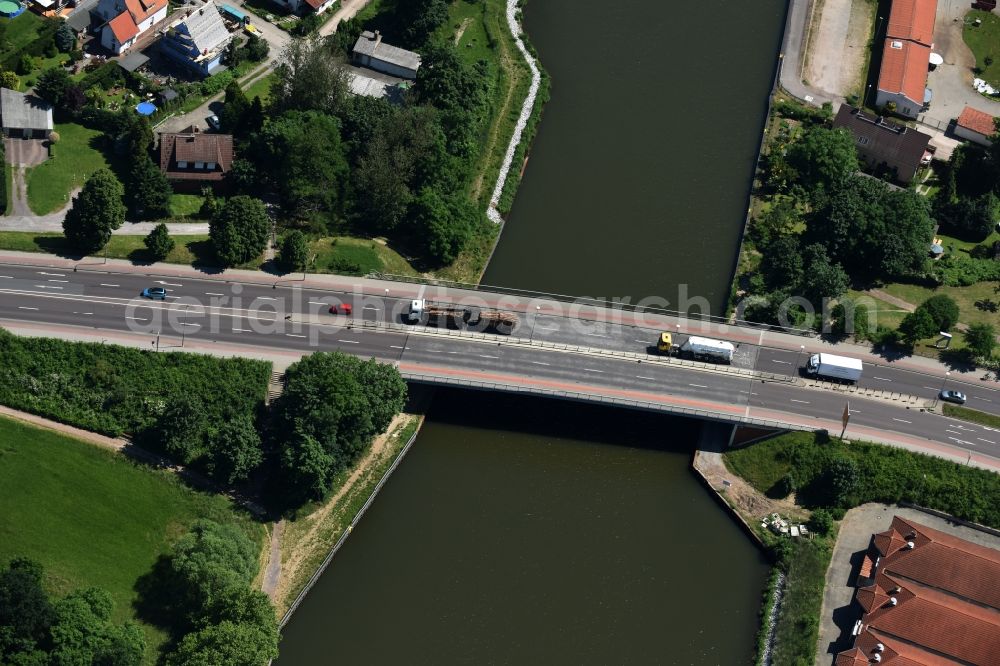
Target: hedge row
[{"x": 117, "y": 390}]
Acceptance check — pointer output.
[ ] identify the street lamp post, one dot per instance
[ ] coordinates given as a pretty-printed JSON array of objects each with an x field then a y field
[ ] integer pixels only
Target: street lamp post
[
  {"x": 798, "y": 359},
  {"x": 941, "y": 390},
  {"x": 534, "y": 319}
]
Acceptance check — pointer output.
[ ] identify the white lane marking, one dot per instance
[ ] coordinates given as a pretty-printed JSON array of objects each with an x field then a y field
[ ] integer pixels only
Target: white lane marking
[
  {"x": 135, "y": 318},
  {"x": 774, "y": 360},
  {"x": 454, "y": 352},
  {"x": 961, "y": 441},
  {"x": 643, "y": 342},
  {"x": 109, "y": 285},
  {"x": 954, "y": 432},
  {"x": 436, "y": 351},
  {"x": 318, "y": 303},
  {"x": 9, "y": 277},
  {"x": 187, "y": 323},
  {"x": 22, "y": 307},
  {"x": 487, "y": 356},
  {"x": 596, "y": 335},
  {"x": 985, "y": 440},
  {"x": 547, "y": 328},
  {"x": 57, "y": 280},
  {"x": 370, "y": 307},
  {"x": 698, "y": 385},
  {"x": 242, "y": 330},
  {"x": 398, "y": 347},
  {"x": 591, "y": 370},
  {"x": 267, "y": 298},
  {"x": 169, "y": 284},
  {"x": 53, "y": 274},
  {"x": 933, "y": 388},
  {"x": 293, "y": 335},
  {"x": 213, "y": 293},
  {"x": 882, "y": 379},
  {"x": 351, "y": 342},
  {"x": 45, "y": 286},
  {"x": 541, "y": 363},
  {"x": 976, "y": 397},
  {"x": 804, "y": 402},
  {"x": 641, "y": 377},
  {"x": 901, "y": 420}
]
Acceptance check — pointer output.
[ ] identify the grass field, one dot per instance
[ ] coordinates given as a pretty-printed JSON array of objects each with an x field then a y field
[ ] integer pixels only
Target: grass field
[
  {"x": 188, "y": 249},
  {"x": 357, "y": 256},
  {"x": 91, "y": 517},
  {"x": 985, "y": 43},
  {"x": 966, "y": 297},
  {"x": 73, "y": 159},
  {"x": 20, "y": 32},
  {"x": 260, "y": 88},
  {"x": 185, "y": 205}
]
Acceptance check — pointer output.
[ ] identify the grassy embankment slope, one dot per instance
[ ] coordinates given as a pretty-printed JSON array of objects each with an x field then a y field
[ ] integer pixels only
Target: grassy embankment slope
[{"x": 92, "y": 517}]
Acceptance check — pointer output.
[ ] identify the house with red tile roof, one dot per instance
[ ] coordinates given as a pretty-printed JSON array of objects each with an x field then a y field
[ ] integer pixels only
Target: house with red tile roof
[
  {"x": 906, "y": 56},
  {"x": 126, "y": 20},
  {"x": 976, "y": 126},
  {"x": 193, "y": 159},
  {"x": 934, "y": 600}
]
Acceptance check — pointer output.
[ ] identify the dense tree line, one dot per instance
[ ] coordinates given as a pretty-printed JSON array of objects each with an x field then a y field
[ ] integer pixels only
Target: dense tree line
[{"x": 75, "y": 629}]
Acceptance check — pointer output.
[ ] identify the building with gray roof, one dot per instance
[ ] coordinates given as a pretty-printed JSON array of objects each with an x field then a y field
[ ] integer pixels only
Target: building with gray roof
[
  {"x": 24, "y": 116},
  {"x": 198, "y": 41},
  {"x": 370, "y": 51}
]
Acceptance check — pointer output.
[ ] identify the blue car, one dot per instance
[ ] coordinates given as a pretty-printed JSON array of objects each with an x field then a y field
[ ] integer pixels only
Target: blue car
[{"x": 155, "y": 293}]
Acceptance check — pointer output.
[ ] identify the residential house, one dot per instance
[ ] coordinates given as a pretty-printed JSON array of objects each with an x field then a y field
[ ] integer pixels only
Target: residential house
[
  {"x": 306, "y": 6},
  {"x": 193, "y": 159},
  {"x": 884, "y": 144},
  {"x": 24, "y": 116},
  {"x": 906, "y": 56},
  {"x": 928, "y": 599},
  {"x": 370, "y": 51},
  {"x": 976, "y": 126},
  {"x": 198, "y": 41},
  {"x": 127, "y": 20}
]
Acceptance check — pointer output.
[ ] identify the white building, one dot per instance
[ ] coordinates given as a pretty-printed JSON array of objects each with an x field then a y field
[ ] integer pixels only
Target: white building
[
  {"x": 370, "y": 51},
  {"x": 127, "y": 20},
  {"x": 976, "y": 126}
]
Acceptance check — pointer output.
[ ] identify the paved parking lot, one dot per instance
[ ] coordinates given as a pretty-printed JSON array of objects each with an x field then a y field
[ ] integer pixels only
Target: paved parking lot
[{"x": 839, "y": 613}]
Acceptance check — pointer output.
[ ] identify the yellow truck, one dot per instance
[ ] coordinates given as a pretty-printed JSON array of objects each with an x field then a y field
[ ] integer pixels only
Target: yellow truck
[{"x": 665, "y": 343}]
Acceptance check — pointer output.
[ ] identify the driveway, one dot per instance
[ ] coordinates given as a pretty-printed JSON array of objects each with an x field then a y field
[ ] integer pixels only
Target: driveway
[
  {"x": 952, "y": 81},
  {"x": 839, "y": 613},
  {"x": 838, "y": 46},
  {"x": 25, "y": 152}
]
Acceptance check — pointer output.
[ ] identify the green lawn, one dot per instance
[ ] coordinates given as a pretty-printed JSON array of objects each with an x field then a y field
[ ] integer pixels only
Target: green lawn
[
  {"x": 91, "y": 517},
  {"x": 20, "y": 32},
  {"x": 966, "y": 297},
  {"x": 185, "y": 205},
  {"x": 73, "y": 159},
  {"x": 356, "y": 256},
  {"x": 985, "y": 43},
  {"x": 260, "y": 88},
  {"x": 41, "y": 64},
  {"x": 188, "y": 249}
]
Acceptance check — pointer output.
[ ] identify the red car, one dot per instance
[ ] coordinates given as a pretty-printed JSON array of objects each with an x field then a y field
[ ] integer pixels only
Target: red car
[{"x": 343, "y": 308}]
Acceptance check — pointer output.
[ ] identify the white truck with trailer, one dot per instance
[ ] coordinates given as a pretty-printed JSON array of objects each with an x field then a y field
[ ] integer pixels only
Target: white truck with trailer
[
  {"x": 831, "y": 366},
  {"x": 707, "y": 349}
]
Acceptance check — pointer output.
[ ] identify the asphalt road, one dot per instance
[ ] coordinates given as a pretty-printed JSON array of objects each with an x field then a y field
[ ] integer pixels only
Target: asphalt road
[{"x": 248, "y": 317}]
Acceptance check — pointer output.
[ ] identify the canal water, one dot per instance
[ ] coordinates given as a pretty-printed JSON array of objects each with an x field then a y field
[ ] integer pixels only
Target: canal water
[
  {"x": 638, "y": 179},
  {"x": 527, "y": 531}
]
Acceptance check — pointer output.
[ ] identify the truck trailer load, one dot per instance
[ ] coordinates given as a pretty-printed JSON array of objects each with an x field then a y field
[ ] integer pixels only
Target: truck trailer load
[
  {"x": 706, "y": 349},
  {"x": 831, "y": 366},
  {"x": 480, "y": 319}
]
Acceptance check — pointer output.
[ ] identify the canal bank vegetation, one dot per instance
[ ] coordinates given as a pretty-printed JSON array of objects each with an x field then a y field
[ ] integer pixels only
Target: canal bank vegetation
[
  {"x": 306, "y": 542},
  {"x": 821, "y": 231},
  {"x": 830, "y": 476},
  {"x": 94, "y": 519}
]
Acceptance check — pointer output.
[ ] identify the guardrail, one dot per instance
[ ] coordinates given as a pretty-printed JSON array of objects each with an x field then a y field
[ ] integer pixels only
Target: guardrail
[{"x": 436, "y": 380}]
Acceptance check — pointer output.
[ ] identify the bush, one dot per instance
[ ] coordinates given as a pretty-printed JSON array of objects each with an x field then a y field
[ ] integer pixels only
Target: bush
[
  {"x": 821, "y": 522},
  {"x": 159, "y": 243},
  {"x": 294, "y": 252}
]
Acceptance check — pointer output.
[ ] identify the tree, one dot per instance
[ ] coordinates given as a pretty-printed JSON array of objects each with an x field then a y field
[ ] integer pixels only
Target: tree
[
  {"x": 159, "y": 243},
  {"x": 256, "y": 48},
  {"x": 332, "y": 407},
  {"x": 943, "y": 310},
  {"x": 823, "y": 157},
  {"x": 306, "y": 161},
  {"x": 25, "y": 65},
  {"x": 822, "y": 279},
  {"x": 442, "y": 225},
  {"x": 782, "y": 263},
  {"x": 234, "y": 108},
  {"x": 981, "y": 339},
  {"x": 294, "y": 251},
  {"x": 52, "y": 85},
  {"x": 25, "y": 611},
  {"x": 65, "y": 37},
  {"x": 96, "y": 212},
  {"x": 234, "y": 451},
  {"x": 309, "y": 78},
  {"x": 149, "y": 190},
  {"x": 239, "y": 230},
  {"x": 839, "y": 480},
  {"x": 972, "y": 217},
  {"x": 821, "y": 522},
  {"x": 82, "y": 633},
  {"x": 9, "y": 79},
  {"x": 180, "y": 430},
  {"x": 210, "y": 206},
  {"x": 226, "y": 644},
  {"x": 917, "y": 325},
  {"x": 207, "y": 562},
  {"x": 420, "y": 19}
]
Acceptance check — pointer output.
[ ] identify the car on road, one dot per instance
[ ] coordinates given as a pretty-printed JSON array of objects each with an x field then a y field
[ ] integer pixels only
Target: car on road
[
  {"x": 956, "y": 397},
  {"x": 214, "y": 122},
  {"x": 343, "y": 309},
  {"x": 155, "y": 293}
]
